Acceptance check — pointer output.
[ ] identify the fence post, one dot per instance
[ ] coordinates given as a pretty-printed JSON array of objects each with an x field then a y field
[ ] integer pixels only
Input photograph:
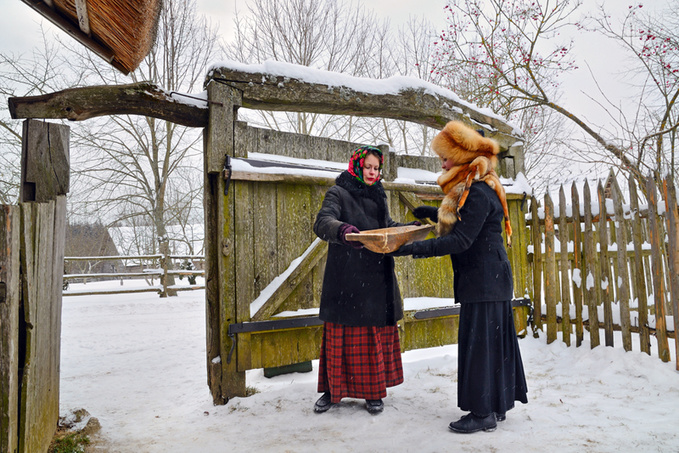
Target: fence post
[
  {"x": 639, "y": 277},
  {"x": 673, "y": 255},
  {"x": 591, "y": 292},
  {"x": 658, "y": 281},
  {"x": 537, "y": 266},
  {"x": 623, "y": 275},
  {"x": 577, "y": 264},
  {"x": 565, "y": 281},
  {"x": 550, "y": 269},
  {"x": 605, "y": 267}
]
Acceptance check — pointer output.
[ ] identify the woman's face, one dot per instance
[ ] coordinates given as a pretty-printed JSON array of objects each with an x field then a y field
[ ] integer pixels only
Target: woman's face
[
  {"x": 371, "y": 169},
  {"x": 446, "y": 164}
]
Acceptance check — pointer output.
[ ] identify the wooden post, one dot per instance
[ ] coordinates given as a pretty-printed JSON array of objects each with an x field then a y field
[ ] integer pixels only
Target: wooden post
[
  {"x": 550, "y": 270},
  {"x": 43, "y": 228},
  {"x": 9, "y": 327},
  {"x": 44, "y": 161},
  {"x": 537, "y": 266},
  {"x": 673, "y": 255},
  {"x": 565, "y": 280},
  {"x": 623, "y": 274},
  {"x": 578, "y": 264},
  {"x": 591, "y": 292},
  {"x": 639, "y": 277},
  {"x": 658, "y": 281},
  {"x": 605, "y": 267},
  {"x": 224, "y": 379}
]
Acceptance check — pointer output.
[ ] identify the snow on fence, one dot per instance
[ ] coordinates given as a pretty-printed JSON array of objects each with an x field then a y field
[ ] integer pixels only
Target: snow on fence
[
  {"x": 145, "y": 268},
  {"x": 619, "y": 269}
]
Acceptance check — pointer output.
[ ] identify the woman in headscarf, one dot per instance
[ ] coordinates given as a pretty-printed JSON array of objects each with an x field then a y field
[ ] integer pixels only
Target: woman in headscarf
[
  {"x": 490, "y": 371},
  {"x": 360, "y": 302}
]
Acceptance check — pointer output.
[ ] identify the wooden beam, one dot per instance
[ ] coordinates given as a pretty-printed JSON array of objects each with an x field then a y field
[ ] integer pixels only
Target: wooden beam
[
  {"x": 78, "y": 104},
  {"x": 280, "y": 93},
  {"x": 316, "y": 252}
]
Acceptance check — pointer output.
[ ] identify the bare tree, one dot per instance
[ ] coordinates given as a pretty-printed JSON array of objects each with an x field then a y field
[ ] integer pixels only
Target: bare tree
[
  {"x": 652, "y": 41},
  {"x": 129, "y": 164},
  {"x": 330, "y": 35},
  {"x": 514, "y": 49},
  {"x": 37, "y": 73}
]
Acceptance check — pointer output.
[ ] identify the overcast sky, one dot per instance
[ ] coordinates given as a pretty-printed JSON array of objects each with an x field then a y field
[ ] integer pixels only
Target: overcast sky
[{"x": 20, "y": 29}]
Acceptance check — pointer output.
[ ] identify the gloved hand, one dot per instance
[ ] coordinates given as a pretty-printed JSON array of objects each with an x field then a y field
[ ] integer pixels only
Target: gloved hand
[
  {"x": 345, "y": 229},
  {"x": 405, "y": 250},
  {"x": 424, "y": 212}
]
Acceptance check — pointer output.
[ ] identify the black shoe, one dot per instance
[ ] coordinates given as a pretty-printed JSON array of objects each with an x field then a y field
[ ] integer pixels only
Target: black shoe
[
  {"x": 500, "y": 416},
  {"x": 374, "y": 406},
  {"x": 323, "y": 403},
  {"x": 471, "y": 423}
]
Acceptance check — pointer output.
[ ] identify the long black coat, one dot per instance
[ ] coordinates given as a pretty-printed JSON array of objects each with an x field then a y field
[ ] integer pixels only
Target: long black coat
[
  {"x": 482, "y": 272},
  {"x": 359, "y": 286}
]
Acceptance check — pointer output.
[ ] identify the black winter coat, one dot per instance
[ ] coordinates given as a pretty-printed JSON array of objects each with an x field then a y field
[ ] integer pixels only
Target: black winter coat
[
  {"x": 359, "y": 286},
  {"x": 482, "y": 272}
]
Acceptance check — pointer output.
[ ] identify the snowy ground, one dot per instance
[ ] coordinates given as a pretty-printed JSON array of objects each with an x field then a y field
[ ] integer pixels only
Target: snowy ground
[{"x": 137, "y": 363}]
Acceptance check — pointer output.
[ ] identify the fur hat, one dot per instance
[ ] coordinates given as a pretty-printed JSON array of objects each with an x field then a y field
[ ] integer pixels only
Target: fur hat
[
  {"x": 473, "y": 158},
  {"x": 461, "y": 144}
]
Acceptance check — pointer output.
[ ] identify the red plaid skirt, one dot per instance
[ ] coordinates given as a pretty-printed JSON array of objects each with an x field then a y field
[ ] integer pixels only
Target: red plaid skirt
[{"x": 359, "y": 362}]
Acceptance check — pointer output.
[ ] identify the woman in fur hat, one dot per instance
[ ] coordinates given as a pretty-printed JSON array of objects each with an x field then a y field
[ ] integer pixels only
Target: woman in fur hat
[
  {"x": 360, "y": 300},
  {"x": 490, "y": 371}
]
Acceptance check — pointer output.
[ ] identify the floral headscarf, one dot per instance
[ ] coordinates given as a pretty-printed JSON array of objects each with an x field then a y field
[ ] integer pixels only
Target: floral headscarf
[{"x": 358, "y": 158}]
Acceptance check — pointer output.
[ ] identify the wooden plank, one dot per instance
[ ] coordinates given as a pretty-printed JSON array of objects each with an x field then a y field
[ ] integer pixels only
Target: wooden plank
[
  {"x": 605, "y": 267},
  {"x": 564, "y": 268},
  {"x": 578, "y": 264},
  {"x": 9, "y": 326},
  {"x": 536, "y": 297},
  {"x": 550, "y": 270},
  {"x": 39, "y": 404},
  {"x": 640, "y": 292},
  {"x": 658, "y": 282},
  {"x": 672, "y": 219},
  {"x": 590, "y": 275},
  {"x": 44, "y": 161},
  {"x": 313, "y": 255},
  {"x": 622, "y": 283},
  {"x": 244, "y": 239}
]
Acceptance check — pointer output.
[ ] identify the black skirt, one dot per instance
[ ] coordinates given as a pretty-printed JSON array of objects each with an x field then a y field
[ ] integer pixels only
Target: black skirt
[{"x": 490, "y": 370}]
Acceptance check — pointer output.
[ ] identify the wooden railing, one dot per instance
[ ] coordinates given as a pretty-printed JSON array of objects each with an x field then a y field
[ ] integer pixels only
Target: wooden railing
[{"x": 154, "y": 270}]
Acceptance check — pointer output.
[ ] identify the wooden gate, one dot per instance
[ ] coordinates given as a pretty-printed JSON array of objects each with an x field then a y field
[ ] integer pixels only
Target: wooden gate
[
  {"x": 264, "y": 264},
  {"x": 31, "y": 270}
]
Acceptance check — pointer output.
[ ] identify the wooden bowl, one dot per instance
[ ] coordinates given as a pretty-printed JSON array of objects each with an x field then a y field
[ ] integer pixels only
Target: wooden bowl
[{"x": 386, "y": 240}]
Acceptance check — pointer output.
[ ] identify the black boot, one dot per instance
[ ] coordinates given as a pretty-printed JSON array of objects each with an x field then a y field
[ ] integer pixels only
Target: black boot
[
  {"x": 472, "y": 423},
  {"x": 323, "y": 403},
  {"x": 500, "y": 416},
  {"x": 374, "y": 406}
]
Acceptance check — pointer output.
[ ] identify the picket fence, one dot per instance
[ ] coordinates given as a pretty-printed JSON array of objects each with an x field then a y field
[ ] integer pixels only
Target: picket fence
[{"x": 608, "y": 265}]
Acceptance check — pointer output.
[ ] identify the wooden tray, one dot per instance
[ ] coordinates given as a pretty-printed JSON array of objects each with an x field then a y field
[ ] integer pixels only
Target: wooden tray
[{"x": 386, "y": 240}]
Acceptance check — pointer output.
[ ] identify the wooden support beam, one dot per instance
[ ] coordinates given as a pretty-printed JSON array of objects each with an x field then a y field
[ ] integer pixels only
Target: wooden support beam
[
  {"x": 313, "y": 255},
  {"x": 264, "y": 91},
  {"x": 78, "y": 104}
]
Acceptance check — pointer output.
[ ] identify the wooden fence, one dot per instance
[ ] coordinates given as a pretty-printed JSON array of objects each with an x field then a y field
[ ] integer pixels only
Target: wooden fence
[
  {"x": 150, "y": 267},
  {"x": 607, "y": 263}
]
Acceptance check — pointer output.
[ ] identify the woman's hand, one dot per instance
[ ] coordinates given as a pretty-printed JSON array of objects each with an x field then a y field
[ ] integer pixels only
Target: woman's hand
[
  {"x": 345, "y": 229},
  {"x": 426, "y": 212},
  {"x": 405, "y": 250}
]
